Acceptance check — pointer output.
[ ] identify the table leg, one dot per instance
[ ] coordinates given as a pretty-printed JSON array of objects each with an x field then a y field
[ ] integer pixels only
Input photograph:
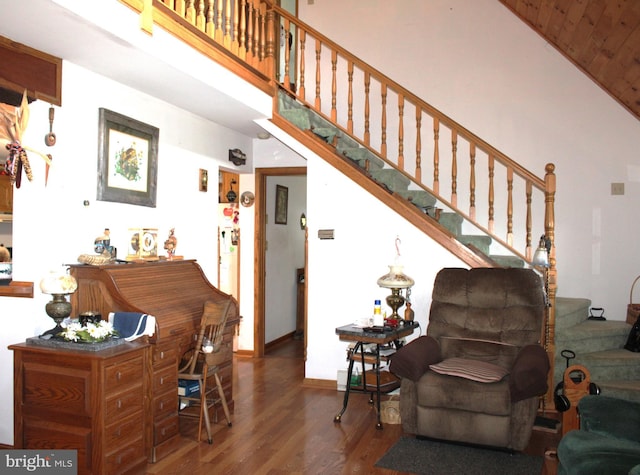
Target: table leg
[
  {"x": 379, "y": 424},
  {"x": 338, "y": 416}
]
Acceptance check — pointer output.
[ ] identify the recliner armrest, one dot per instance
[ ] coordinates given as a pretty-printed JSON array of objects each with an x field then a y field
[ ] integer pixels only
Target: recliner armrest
[
  {"x": 413, "y": 359},
  {"x": 528, "y": 376}
]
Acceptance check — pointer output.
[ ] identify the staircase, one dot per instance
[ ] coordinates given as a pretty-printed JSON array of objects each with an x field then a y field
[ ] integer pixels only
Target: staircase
[
  {"x": 401, "y": 159},
  {"x": 398, "y": 184},
  {"x": 598, "y": 346}
]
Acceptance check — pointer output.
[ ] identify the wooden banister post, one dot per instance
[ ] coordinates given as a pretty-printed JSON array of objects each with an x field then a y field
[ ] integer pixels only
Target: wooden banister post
[{"x": 549, "y": 229}]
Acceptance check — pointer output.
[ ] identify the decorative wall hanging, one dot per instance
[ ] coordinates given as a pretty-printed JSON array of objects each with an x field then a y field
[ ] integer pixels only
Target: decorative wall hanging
[
  {"x": 13, "y": 123},
  {"x": 237, "y": 156},
  {"x": 282, "y": 203},
  {"x": 127, "y": 160},
  {"x": 247, "y": 198}
]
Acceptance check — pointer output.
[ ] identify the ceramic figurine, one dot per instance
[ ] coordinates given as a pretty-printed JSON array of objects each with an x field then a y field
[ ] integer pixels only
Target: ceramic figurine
[{"x": 170, "y": 244}]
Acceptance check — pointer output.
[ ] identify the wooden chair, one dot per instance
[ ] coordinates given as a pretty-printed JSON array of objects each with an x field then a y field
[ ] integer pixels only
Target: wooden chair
[{"x": 204, "y": 363}]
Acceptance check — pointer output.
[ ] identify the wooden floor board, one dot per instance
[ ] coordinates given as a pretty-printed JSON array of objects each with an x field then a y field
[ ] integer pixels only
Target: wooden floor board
[{"x": 282, "y": 428}]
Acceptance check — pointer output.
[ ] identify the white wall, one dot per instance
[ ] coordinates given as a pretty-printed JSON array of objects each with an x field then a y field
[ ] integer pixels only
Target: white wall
[
  {"x": 342, "y": 272},
  {"x": 51, "y": 225},
  {"x": 285, "y": 254},
  {"x": 482, "y": 66}
]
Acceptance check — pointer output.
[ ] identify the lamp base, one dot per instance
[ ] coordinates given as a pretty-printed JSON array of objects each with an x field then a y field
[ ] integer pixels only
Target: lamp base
[
  {"x": 58, "y": 309},
  {"x": 395, "y": 301}
]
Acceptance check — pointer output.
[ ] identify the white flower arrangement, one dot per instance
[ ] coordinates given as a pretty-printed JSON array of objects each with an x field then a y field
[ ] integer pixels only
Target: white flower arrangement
[{"x": 90, "y": 333}]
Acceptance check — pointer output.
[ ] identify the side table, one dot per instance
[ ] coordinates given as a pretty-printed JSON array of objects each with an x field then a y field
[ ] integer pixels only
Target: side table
[{"x": 362, "y": 337}]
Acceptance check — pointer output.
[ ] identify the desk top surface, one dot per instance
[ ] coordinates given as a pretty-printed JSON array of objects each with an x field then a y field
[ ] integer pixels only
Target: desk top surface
[{"x": 353, "y": 332}]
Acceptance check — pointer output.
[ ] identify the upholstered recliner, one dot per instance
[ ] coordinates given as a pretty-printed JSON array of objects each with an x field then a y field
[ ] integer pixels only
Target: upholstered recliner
[{"x": 477, "y": 374}]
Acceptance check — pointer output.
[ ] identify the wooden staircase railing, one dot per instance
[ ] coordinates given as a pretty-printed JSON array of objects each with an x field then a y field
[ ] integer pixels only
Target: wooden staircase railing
[{"x": 266, "y": 45}]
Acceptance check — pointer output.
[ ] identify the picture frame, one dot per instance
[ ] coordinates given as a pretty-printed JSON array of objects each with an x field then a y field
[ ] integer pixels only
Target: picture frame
[
  {"x": 282, "y": 204},
  {"x": 127, "y": 160}
]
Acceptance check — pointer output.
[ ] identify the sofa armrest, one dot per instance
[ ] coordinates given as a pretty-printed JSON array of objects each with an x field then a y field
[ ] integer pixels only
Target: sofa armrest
[
  {"x": 528, "y": 375},
  {"x": 413, "y": 359},
  {"x": 611, "y": 417}
]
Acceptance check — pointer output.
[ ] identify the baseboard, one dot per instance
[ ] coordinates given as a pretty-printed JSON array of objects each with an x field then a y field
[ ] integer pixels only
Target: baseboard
[{"x": 280, "y": 340}]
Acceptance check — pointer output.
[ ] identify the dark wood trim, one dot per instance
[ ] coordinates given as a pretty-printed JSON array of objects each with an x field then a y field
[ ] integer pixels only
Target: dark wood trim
[
  {"x": 27, "y": 68},
  {"x": 278, "y": 341},
  {"x": 17, "y": 289}
]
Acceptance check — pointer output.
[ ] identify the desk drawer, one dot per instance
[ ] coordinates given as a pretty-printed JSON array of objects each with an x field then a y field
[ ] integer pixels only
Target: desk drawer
[
  {"x": 165, "y": 355},
  {"x": 119, "y": 375},
  {"x": 165, "y": 404},
  {"x": 126, "y": 458},
  {"x": 125, "y": 403},
  {"x": 166, "y": 429},
  {"x": 165, "y": 379},
  {"x": 124, "y": 431}
]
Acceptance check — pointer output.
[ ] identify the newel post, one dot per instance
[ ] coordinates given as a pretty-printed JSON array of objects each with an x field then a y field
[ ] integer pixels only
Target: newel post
[{"x": 552, "y": 277}]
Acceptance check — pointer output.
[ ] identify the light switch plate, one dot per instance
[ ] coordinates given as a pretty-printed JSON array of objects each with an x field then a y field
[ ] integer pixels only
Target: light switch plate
[{"x": 617, "y": 188}]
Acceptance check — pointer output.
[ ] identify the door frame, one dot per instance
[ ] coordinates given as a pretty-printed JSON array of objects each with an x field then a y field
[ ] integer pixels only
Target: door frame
[{"x": 260, "y": 268}]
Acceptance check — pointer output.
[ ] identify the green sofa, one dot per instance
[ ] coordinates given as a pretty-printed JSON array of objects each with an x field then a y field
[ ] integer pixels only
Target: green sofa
[{"x": 608, "y": 441}]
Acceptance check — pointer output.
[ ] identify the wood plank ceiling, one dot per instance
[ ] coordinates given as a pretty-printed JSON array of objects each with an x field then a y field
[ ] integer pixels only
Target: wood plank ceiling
[{"x": 601, "y": 37}]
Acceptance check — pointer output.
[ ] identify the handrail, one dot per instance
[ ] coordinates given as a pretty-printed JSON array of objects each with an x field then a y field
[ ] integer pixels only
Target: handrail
[{"x": 315, "y": 49}]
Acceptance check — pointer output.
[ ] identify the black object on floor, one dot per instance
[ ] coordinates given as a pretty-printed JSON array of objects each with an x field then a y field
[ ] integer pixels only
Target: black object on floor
[{"x": 428, "y": 457}]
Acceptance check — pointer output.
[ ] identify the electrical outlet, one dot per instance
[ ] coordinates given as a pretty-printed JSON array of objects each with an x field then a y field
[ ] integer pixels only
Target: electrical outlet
[{"x": 617, "y": 188}]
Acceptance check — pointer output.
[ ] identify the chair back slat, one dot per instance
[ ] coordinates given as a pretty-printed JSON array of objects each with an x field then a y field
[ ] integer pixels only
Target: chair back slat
[{"x": 214, "y": 318}]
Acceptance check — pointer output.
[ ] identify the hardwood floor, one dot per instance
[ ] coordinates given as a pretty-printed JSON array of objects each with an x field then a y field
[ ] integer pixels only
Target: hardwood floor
[{"x": 280, "y": 427}]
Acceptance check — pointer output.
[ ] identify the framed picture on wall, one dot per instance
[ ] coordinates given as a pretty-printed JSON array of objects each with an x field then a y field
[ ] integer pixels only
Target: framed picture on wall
[
  {"x": 127, "y": 160},
  {"x": 282, "y": 203}
]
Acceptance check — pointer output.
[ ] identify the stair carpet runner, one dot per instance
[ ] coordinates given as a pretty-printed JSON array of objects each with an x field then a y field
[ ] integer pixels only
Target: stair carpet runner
[
  {"x": 598, "y": 346},
  {"x": 306, "y": 119}
]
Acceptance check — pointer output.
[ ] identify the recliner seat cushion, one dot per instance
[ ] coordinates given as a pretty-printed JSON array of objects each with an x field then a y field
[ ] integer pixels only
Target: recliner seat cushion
[{"x": 437, "y": 390}]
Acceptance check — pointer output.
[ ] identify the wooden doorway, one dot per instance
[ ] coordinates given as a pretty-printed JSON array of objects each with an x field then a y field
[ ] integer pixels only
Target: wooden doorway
[{"x": 260, "y": 251}]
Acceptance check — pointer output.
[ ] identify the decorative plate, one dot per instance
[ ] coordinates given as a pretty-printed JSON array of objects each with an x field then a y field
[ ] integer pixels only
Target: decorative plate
[{"x": 247, "y": 198}]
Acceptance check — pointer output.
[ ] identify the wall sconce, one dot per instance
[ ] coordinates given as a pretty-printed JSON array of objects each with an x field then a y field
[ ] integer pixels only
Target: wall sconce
[
  {"x": 203, "y": 180},
  {"x": 237, "y": 157}
]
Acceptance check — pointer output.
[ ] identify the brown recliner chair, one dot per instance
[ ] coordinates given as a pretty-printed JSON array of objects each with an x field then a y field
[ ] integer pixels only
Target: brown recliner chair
[{"x": 477, "y": 374}]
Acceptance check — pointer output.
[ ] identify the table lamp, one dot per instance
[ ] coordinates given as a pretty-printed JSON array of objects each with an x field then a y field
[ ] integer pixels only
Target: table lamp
[
  {"x": 395, "y": 280},
  {"x": 59, "y": 284}
]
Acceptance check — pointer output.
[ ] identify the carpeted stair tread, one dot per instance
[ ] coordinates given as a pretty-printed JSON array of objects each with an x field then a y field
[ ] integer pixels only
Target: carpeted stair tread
[
  {"x": 591, "y": 335},
  {"x": 362, "y": 156},
  {"x": 394, "y": 180},
  {"x": 621, "y": 389},
  {"x": 570, "y": 312},
  {"x": 422, "y": 199},
  {"x": 507, "y": 261},
  {"x": 609, "y": 365},
  {"x": 483, "y": 243},
  {"x": 298, "y": 117},
  {"x": 325, "y": 133},
  {"x": 452, "y": 221},
  {"x": 345, "y": 142}
]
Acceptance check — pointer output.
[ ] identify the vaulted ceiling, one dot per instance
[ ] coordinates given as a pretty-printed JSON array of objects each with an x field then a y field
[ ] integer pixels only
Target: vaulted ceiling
[{"x": 601, "y": 37}]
